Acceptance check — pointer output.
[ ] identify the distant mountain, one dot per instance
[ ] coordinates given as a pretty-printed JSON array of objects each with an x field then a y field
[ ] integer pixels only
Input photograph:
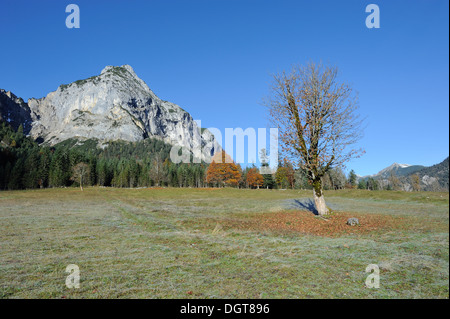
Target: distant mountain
[
  {"x": 114, "y": 105},
  {"x": 397, "y": 169},
  {"x": 435, "y": 177}
]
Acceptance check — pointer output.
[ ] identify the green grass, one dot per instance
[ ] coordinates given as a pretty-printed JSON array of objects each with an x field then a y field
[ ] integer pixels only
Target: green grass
[{"x": 164, "y": 243}]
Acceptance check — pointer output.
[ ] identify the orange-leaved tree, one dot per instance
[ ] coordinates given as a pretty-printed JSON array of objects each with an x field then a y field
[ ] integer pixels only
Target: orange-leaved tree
[
  {"x": 223, "y": 171},
  {"x": 254, "y": 178}
]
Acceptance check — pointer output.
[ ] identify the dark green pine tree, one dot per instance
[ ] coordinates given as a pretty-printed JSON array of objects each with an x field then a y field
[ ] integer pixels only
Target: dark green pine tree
[
  {"x": 31, "y": 173},
  {"x": 60, "y": 169},
  {"x": 362, "y": 184},
  {"x": 92, "y": 169},
  {"x": 171, "y": 171},
  {"x": 372, "y": 184},
  {"x": 268, "y": 181},
  {"x": 133, "y": 173},
  {"x": 16, "y": 176},
  {"x": 101, "y": 172},
  {"x": 44, "y": 167},
  {"x": 352, "y": 178},
  {"x": 4, "y": 179}
]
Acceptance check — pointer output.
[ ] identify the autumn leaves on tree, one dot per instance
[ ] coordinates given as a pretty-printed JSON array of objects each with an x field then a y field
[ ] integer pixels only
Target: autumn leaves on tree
[
  {"x": 223, "y": 171},
  {"x": 254, "y": 178}
]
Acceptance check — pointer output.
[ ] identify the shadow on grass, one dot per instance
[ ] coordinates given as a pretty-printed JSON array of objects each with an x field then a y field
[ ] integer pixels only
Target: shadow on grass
[{"x": 305, "y": 204}]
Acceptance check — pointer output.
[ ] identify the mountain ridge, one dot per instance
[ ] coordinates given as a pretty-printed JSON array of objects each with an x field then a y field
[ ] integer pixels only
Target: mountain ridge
[
  {"x": 113, "y": 105},
  {"x": 14, "y": 111},
  {"x": 433, "y": 177},
  {"x": 397, "y": 168}
]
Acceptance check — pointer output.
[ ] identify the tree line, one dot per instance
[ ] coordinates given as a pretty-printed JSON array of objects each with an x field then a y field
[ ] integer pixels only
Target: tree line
[{"x": 26, "y": 165}]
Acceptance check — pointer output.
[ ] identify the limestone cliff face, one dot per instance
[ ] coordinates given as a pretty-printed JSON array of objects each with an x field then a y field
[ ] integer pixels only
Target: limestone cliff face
[{"x": 115, "y": 105}]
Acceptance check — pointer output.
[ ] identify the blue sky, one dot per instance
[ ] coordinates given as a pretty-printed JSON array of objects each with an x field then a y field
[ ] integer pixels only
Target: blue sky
[{"x": 214, "y": 58}]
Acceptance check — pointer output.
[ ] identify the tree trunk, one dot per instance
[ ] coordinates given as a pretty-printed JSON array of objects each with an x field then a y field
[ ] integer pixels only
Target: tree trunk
[{"x": 319, "y": 199}]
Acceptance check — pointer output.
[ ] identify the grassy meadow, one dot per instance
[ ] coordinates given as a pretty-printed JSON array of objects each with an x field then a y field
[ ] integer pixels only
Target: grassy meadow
[{"x": 222, "y": 243}]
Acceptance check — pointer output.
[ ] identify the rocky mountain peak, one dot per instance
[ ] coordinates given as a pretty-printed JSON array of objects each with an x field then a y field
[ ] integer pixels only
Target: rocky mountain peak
[
  {"x": 112, "y": 68},
  {"x": 114, "y": 105},
  {"x": 14, "y": 111}
]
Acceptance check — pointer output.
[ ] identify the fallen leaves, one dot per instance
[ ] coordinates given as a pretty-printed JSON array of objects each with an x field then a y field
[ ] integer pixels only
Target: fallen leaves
[{"x": 307, "y": 223}]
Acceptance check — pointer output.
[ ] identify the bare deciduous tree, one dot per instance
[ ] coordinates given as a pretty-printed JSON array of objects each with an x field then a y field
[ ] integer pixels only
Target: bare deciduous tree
[
  {"x": 317, "y": 121},
  {"x": 80, "y": 173},
  {"x": 156, "y": 171},
  {"x": 338, "y": 178}
]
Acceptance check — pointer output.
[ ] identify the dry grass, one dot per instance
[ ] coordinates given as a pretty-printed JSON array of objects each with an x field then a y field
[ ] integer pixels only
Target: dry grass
[{"x": 220, "y": 243}]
